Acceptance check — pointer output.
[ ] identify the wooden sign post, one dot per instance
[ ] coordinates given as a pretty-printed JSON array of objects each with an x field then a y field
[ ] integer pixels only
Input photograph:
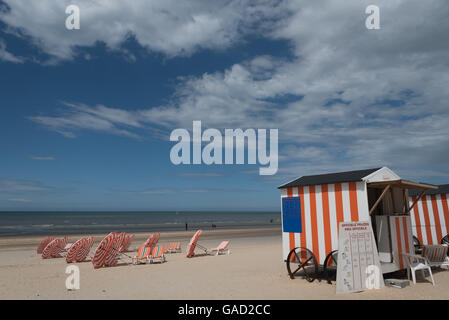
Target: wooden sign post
[{"x": 358, "y": 266}]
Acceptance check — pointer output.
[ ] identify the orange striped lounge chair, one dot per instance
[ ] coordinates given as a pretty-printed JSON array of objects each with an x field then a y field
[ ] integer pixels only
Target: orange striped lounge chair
[
  {"x": 173, "y": 247},
  {"x": 158, "y": 255},
  {"x": 142, "y": 255},
  {"x": 221, "y": 249}
]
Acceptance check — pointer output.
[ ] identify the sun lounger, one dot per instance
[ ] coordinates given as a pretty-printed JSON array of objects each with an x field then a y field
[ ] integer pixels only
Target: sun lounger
[
  {"x": 173, "y": 247},
  {"x": 157, "y": 255},
  {"x": 436, "y": 255},
  {"x": 221, "y": 249},
  {"x": 142, "y": 255}
]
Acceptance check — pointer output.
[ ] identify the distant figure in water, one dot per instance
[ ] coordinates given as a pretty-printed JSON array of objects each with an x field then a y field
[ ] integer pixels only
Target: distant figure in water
[
  {"x": 214, "y": 226},
  {"x": 186, "y": 226},
  {"x": 271, "y": 221}
]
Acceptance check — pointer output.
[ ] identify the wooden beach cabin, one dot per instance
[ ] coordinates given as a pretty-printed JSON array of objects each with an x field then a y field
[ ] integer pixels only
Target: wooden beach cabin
[
  {"x": 313, "y": 207},
  {"x": 430, "y": 215}
]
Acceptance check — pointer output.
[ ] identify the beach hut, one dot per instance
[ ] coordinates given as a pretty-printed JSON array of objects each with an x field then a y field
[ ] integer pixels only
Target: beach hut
[
  {"x": 313, "y": 207},
  {"x": 430, "y": 215}
]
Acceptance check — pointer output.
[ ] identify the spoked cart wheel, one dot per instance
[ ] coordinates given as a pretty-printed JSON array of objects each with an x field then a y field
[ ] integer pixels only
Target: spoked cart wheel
[
  {"x": 302, "y": 262},
  {"x": 330, "y": 266},
  {"x": 417, "y": 245},
  {"x": 445, "y": 241}
]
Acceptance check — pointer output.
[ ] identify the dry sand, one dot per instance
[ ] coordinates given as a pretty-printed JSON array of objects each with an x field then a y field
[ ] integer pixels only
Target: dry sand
[{"x": 253, "y": 270}]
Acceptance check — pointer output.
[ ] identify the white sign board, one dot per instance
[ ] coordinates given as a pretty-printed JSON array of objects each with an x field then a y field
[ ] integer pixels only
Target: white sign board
[{"x": 358, "y": 266}]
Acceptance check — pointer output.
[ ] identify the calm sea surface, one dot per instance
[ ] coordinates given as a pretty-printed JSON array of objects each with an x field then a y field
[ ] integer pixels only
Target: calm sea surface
[{"x": 47, "y": 223}]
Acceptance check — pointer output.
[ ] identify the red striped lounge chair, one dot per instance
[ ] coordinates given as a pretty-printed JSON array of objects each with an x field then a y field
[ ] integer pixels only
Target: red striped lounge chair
[
  {"x": 54, "y": 248},
  {"x": 221, "y": 249},
  {"x": 43, "y": 244}
]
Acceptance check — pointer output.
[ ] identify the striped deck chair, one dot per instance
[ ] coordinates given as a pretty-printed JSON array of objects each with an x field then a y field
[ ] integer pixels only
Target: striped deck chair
[
  {"x": 43, "y": 244},
  {"x": 157, "y": 255},
  {"x": 221, "y": 249},
  {"x": 54, "y": 248},
  {"x": 126, "y": 243},
  {"x": 173, "y": 247},
  {"x": 142, "y": 255}
]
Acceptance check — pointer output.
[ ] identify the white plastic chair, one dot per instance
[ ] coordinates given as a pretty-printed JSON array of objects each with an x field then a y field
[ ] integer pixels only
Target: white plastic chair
[{"x": 416, "y": 263}]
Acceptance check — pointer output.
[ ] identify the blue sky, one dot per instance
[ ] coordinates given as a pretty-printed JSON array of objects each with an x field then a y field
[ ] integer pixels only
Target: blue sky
[{"x": 86, "y": 114}]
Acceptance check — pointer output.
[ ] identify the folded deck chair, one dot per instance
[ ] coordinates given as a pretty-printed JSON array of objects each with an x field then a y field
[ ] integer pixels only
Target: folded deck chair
[
  {"x": 126, "y": 243},
  {"x": 142, "y": 255},
  {"x": 193, "y": 243},
  {"x": 157, "y": 255},
  {"x": 221, "y": 249},
  {"x": 43, "y": 244},
  {"x": 54, "y": 248}
]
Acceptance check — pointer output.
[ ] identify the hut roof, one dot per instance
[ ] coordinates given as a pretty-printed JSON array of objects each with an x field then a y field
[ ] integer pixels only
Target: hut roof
[
  {"x": 444, "y": 188},
  {"x": 338, "y": 177}
]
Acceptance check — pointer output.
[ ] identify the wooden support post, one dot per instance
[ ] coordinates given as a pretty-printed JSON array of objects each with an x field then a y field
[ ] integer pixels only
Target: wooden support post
[
  {"x": 416, "y": 200},
  {"x": 380, "y": 199}
]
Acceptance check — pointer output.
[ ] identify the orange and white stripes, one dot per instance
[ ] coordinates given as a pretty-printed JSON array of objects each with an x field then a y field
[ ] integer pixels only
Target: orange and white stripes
[
  {"x": 401, "y": 239},
  {"x": 323, "y": 207},
  {"x": 430, "y": 218}
]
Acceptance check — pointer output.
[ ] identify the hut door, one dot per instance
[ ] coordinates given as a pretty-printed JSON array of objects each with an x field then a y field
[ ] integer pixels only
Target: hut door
[{"x": 383, "y": 235}]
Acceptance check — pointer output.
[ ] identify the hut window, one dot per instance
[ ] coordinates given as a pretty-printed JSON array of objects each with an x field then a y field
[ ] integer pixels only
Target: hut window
[{"x": 291, "y": 215}]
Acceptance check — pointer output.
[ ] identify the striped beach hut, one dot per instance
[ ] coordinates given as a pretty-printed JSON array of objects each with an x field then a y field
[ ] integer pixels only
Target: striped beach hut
[
  {"x": 430, "y": 215},
  {"x": 313, "y": 207}
]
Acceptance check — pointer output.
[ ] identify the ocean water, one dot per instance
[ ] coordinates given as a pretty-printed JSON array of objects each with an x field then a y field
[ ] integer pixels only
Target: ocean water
[{"x": 52, "y": 223}]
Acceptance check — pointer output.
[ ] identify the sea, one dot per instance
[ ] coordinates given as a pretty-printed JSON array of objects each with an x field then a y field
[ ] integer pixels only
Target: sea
[{"x": 56, "y": 223}]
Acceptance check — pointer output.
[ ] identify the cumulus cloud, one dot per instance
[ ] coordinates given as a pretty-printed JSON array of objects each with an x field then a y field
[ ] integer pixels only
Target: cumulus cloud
[
  {"x": 348, "y": 98},
  {"x": 167, "y": 26}
]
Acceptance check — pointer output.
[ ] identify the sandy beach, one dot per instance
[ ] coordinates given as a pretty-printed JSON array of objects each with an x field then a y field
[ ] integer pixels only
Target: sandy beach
[{"x": 253, "y": 270}]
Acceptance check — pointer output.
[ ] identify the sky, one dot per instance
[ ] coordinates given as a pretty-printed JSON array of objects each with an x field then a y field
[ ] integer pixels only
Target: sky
[{"x": 86, "y": 114}]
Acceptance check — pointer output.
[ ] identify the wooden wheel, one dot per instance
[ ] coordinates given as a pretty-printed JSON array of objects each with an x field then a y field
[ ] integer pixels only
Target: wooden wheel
[
  {"x": 330, "y": 265},
  {"x": 445, "y": 241},
  {"x": 301, "y": 261}
]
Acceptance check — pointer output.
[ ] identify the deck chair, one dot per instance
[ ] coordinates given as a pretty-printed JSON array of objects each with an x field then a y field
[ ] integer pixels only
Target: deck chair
[
  {"x": 157, "y": 255},
  {"x": 193, "y": 244},
  {"x": 44, "y": 243},
  {"x": 176, "y": 247},
  {"x": 417, "y": 263},
  {"x": 126, "y": 243},
  {"x": 54, "y": 248},
  {"x": 142, "y": 255},
  {"x": 436, "y": 255},
  {"x": 173, "y": 247},
  {"x": 221, "y": 249}
]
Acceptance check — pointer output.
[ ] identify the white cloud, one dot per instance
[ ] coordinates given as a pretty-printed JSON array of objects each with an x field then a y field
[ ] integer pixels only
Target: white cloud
[
  {"x": 20, "y": 200},
  {"x": 168, "y": 26},
  {"x": 358, "y": 98}
]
